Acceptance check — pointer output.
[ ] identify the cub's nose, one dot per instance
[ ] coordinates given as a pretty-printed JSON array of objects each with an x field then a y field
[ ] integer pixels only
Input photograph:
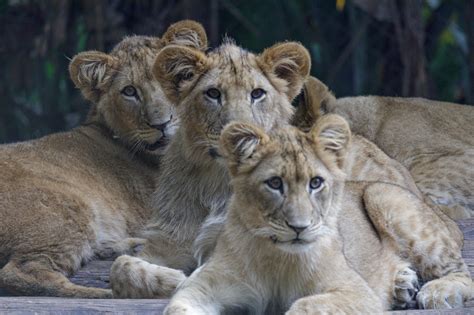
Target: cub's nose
[
  {"x": 162, "y": 126},
  {"x": 298, "y": 227}
]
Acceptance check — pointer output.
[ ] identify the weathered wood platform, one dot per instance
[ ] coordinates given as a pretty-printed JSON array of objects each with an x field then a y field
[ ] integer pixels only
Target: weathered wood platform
[{"x": 96, "y": 274}]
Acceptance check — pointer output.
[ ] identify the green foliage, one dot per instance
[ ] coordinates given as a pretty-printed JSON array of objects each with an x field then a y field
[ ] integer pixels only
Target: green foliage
[
  {"x": 353, "y": 50},
  {"x": 446, "y": 66},
  {"x": 81, "y": 35}
]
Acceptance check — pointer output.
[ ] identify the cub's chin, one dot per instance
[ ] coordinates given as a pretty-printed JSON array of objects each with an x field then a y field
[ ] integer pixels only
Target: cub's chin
[
  {"x": 296, "y": 246},
  {"x": 159, "y": 146}
]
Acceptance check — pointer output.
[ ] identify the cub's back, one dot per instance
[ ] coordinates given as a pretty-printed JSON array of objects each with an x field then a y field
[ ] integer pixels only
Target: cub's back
[
  {"x": 401, "y": 125},
  {"x": 75, "y": 177}
]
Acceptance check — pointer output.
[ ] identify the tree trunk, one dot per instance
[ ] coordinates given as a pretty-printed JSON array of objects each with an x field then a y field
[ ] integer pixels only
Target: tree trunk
[{"x": 407, "y": 18}]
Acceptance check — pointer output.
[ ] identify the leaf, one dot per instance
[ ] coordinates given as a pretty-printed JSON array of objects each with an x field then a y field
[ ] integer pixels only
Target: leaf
[
  {"x": 49, "y": 69},
  {"x": 340, "y": 4}
]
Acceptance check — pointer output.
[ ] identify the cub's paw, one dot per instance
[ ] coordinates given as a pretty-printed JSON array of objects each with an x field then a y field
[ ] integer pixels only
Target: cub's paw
[
  {"x": 180, "y": 308},
  {"x": 442, "y": 293},
  {"x": 177, "y": 309},
  {"x": 132, "y": 277},
  {"x": 405, "y": 289}
]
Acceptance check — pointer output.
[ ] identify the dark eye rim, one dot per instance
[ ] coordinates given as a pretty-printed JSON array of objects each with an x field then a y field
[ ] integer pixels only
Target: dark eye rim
[
  {"x": 279, "y": 187},
  {"x": 134, "y": 91},
  {"x": 262, "y": 93},
  {"x": 320, "y": 182},
  {"x": 215, "y": 97}
]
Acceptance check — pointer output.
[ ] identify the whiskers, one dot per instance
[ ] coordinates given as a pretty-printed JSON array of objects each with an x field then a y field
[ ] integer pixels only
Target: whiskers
[
  {"x": 316, "y": 230},
  {"x": 137, "y": 145},
  {"x": 280, "y": 233},
  {"x": 136, "y": 140}
]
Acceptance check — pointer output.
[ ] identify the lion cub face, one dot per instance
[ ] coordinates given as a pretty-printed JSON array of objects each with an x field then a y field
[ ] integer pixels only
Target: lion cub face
[
  {"x": 230, "y": 84},
  {"x": 284, "y": 182},
  {"x": 127, "y": 97}
]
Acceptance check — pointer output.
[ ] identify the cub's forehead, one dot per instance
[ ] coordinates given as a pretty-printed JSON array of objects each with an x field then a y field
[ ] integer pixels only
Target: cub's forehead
[
  {"x": 295, "y": 154},
  {"x": 234, "y": 65},
  {"x": 136, "y": 55},
  {"x": 137, "y": 46}
]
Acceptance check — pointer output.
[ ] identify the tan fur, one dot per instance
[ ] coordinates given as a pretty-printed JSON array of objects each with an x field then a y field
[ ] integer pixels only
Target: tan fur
[
  {"x": 68, "y": 197},
  {"x": 366, "y": 162},
  {"x": 403, "y": 206},
  {"x": 193, "y": 183},
  {"x": 258, "y": 266},
  {"x": 432, "y": 139}
]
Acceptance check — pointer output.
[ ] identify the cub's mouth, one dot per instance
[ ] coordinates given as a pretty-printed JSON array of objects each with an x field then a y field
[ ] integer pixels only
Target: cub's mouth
[
  {"x": 294, "y": 241},
  {"x": 160, "y": 143}
]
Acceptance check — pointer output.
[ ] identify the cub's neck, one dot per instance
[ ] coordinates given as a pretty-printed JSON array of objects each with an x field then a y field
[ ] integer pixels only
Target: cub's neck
[
  {"x": 96, "y": 127},
  {"x": 188, "y": 188}
]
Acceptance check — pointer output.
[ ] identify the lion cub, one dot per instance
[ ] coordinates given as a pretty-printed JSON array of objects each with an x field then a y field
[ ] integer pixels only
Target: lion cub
[
  {"x": 70, "y": 196},
  {"x": 280, "y": 243}
]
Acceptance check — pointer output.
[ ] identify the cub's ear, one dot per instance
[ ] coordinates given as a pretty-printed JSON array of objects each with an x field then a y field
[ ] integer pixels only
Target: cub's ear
[
  {"x": 315, "y": 100},
  {"x": 176, "y": 67},
  {"x": 332, "y": 136},
  {"x": 239, "y": 143},
  {"x": 91, "y": 72},
  {"x": 287, "y": 65},
  {"x": 186, "y": 33}
]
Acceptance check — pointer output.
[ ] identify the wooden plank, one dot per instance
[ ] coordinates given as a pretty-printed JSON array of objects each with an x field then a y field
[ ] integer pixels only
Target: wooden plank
[
  {"x": 467, "y": 227},
  {"x": 459, "y": 311},
  {"x": 96, "y": 274},
  {"x": 41, "y": 305}
]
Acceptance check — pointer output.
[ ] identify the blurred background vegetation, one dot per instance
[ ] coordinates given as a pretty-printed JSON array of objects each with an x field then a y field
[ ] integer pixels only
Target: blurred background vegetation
[{"x": 384, "y": 47}]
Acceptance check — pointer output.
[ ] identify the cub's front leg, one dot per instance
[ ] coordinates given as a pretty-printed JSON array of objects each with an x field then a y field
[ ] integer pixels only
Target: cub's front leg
[
  {"x": 156, "y": 273},
  {"x": 419, "y": 234},
  {"x": 135, "y": 278},
  {"x": 342, "y": 301},
  {"x": 209, "y": 290},
  {"x": 344, "y": 291}
]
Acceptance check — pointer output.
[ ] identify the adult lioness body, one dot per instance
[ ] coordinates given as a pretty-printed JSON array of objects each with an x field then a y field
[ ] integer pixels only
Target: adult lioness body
[
  {"x": 432, "y": 139},
  {"x": 70, "y": 196}
]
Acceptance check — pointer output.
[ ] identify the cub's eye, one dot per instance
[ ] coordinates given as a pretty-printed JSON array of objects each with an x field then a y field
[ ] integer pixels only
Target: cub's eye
[
  {"x": 213, "y": 93},
  {"x": 316, "y": 183},
  {"x": 129, "y": 91},
  {"x": 275, "y": 183},
  {"x": 257, "y": 94}
]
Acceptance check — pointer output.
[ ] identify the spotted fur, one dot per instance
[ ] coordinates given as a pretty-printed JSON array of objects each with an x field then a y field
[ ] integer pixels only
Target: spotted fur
[{"x": 432, "y": 139}]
